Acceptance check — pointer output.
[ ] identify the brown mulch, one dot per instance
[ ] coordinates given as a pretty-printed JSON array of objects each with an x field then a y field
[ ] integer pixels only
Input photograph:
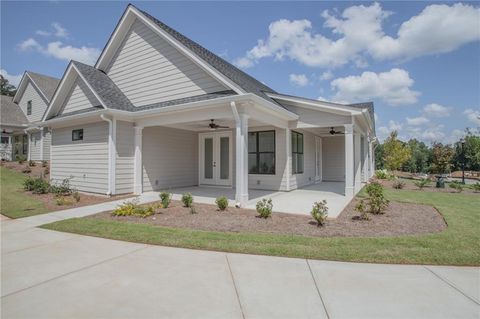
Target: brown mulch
[
  {"x": 430, "y": 188},
  {"x": 399, "y": 219},
  {"x": 37, "y": 171}
]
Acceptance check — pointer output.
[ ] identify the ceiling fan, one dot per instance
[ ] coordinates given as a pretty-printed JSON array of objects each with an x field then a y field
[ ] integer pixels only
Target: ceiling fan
[
  {"x": 333, "y": 132},
  {"x": 213, "y": 126}
]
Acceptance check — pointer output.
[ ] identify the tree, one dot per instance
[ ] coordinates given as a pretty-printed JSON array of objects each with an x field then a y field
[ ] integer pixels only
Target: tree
[
  {"x": 379, "y": 164},
  {"x": 6, "y": 88},
  {"x": 442, "y": 156},
  {"x": 418, "y": 162},
  {"x": 395, "y": 152},
  {"x": 472, "y": 152}
]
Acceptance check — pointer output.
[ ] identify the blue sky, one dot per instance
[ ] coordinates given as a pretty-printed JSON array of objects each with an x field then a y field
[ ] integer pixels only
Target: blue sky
[{"x": 418, "y": 61}]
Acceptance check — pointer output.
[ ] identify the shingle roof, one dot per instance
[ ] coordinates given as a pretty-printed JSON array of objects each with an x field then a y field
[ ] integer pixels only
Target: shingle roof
[
  {"x": 108, "y": 91},
  {"x": 366, "y": 105},
  {"x": 242, "y": 79},
  {"x": 10, "y": 113},
  {"x": 45, "y": 83}
]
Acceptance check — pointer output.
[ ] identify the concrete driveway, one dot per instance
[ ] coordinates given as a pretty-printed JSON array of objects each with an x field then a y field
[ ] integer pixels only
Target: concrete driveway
[{"x": 47, "y": 274}]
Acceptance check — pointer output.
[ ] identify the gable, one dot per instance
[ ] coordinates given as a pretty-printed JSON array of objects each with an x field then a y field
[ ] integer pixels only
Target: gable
[
  {"x": 38, "y": 103},
  {"x": 148, "y": 69},
  {"x": 79, "y": 98}
]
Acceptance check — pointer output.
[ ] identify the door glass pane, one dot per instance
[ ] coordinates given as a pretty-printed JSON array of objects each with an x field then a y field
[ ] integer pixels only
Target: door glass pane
[
  {"x": 208, "y": 169},
  {"x": 266, "y": 141},
  {"x": 224, "y": 157}
]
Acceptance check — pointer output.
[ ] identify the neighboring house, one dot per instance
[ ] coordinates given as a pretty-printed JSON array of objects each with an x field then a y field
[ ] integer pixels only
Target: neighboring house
[
  {"x": 159, "y": 111},
  {"x": 13, "y": 124},
  {"x": 32, "y": 97}
]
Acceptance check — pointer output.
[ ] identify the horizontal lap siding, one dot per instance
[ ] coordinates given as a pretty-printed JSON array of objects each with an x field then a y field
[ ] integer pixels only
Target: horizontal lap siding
[
  {"x": 35, "y": 144},
  {"x": 170, "y": 157},
  {"x": 81, "y": 97},
  {"x": 86, "y": 161},
  {"x": 149, "y": 70},
  {"x": 47, "y": 141},
  {"x": 38, "y": 103},
  {"x": 125, "y": 156},
  {"x": 333, "y": 158}
]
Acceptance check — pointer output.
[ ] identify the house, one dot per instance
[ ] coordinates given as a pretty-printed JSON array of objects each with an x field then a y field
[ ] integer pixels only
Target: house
[
  {"x": 159, "y": 111},
  {"x": 22, "y": 133}
]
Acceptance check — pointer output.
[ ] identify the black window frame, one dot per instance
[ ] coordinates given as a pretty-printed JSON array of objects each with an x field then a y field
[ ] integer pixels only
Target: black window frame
[
  {"x": 80, "y": 135},
  {"x": 295, "y": 169},
  {"x": 29, "y": 107},
  {"x": 257, "y": 152}
]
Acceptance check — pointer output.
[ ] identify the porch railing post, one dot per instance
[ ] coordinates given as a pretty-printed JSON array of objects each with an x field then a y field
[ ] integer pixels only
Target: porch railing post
[{"x": 137, "y": 165}]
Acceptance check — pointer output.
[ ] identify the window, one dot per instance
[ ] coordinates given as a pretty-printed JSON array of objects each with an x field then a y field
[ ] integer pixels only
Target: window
[
  {"x": 261, "y": 152},
  {"x": 297, "y": 153},
  {"x": 4, "y": 140},
  {"x": 77, "y": 135},
  {"x": 29, "y": 107}
]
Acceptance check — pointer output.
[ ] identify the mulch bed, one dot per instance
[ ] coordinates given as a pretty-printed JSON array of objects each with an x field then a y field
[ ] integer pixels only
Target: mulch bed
[
  {"x": 430, "y": 188},
  {"x": 399, "y": 219},
  {"x": 37, "y": 170}
]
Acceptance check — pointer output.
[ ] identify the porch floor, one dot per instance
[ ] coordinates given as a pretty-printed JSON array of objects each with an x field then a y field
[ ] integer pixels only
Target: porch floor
[{"x": 298, "y": 201}]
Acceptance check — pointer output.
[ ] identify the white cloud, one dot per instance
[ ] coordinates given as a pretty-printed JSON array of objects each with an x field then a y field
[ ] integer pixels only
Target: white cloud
[
  {"x": 298, "y": 79},
  {"x": 28, "y": 44},
  {"x": 60, "y": 31},
  {"x": 393, "y": 87},
  {"x": 436, "y": 110},
  {"x": 417, "y": 121},
  {"x": 473, "y": 116},
  {"x": 243, "y": 63},
  {"x": 327, "y": 75},
  {"x": 43, "y": 33},
  {"x": 12, "y": 79},
  {"x": 359, "y": 34}
]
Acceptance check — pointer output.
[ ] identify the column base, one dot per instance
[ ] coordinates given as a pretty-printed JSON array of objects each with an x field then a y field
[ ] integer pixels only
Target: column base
[
  {"x": 349, "y": 191},
  {"x": 241, "y": 200},
  {"x": 137, "y": 189}
]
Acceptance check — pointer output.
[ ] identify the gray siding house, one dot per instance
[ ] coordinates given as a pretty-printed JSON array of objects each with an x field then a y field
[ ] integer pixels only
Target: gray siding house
[
  {"x": 31, "y": 99},
  {"x": 159, "y": 111}
]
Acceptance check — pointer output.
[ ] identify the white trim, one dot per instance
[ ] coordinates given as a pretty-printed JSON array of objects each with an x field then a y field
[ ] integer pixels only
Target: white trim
[
  {"x": 111, "y": 153},
  {"x": 89, "y": 86},
  {"x": 318, "y": 159},
  {"x": 59, "y": 88},
  {"x": 41, "y": 143},
  {"x": 138, "y": 162},
  {"x": 22, "y": 88},
  {"x": 215, "y": 180}
]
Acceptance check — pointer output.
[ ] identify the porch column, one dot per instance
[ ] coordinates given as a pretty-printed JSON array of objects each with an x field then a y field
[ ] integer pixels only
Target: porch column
[
  {"x": 41, "y": 144},
  {"x": 349, "y": 178},
  {"x": 358, "y": 160},
  {"x": 241, "y": 156},
  {"x": 137, "y": 163},
  {"x": 29, "y": 137},
  {"x": 288, "y": 156},
  {"x": 366, "y": 166},
  {"x": 372, "y": 158}
]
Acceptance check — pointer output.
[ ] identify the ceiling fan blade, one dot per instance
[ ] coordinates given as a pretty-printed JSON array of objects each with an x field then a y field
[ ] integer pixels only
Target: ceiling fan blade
[{"x": 221, "y": 126}]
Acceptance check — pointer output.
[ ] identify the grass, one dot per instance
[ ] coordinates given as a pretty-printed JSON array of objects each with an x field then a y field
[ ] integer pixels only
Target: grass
[
  {"x": 14, "y": 202},
  {"x": 458, "y": 245}
]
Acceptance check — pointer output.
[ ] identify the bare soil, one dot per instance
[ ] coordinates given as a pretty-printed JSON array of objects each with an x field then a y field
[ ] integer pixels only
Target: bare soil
[
  {"x": 399, "y": 219},
  {"x": 36, "y": 171}
]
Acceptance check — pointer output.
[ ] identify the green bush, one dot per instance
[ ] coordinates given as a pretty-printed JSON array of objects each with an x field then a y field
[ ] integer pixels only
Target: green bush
[
  {"x": 165, "y": 198},
  {"x": 133, "y": 209},
  {"x": 76, "y": 196},
  {"x": 26, "y": 169},
  {"x": 376, "y": 202},
  {"x": 20, "y": 159},
  {"x": 398, "y": 184},
  {"x": 382, "y": 174},
  {"x": 222, "y": 202},
  {"x": 361, "y": 207},
  {"x": 28, "y": 183},
  {"x": 476, "y": 187},
  {"x": 457, "y": 186},
  {"x": 36, "y": 185},
  {"x": 187, "y": 199},
  {"x": 63, "y": 188},
  {"x": 320, "y": 212},
  {"x": 32, "y": 163},
  {"x": 264, "y": 208},
  {"x": 63, "y": 201},
  {"x": 422, "y": 183}
]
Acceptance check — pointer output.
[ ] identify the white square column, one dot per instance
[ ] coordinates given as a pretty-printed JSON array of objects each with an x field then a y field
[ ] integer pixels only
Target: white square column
[
  {"x": 349, "y": 158},
  {"x": 288, "y": 156},
  {"x": 41, "y": 143},
  {"x": 137, "y": 162},
  {"x": 366, "y": 159},
  {"x": 358, "y": 159},
  {"x": 29, "y": 138},
  {"x": 241, "y": 157}
]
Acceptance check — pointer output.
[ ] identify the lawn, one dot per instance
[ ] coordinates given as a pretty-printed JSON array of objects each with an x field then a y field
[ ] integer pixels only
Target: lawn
[
  {"x": 458, "y": 245},
  {"x": 14, "y": 202}
]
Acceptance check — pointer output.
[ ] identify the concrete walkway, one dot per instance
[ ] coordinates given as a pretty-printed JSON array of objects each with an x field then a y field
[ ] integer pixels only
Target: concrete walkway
[{"x": 57, "y": 275}]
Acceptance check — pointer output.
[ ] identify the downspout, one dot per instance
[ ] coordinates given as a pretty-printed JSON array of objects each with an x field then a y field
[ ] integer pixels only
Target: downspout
[{"x": 111, "y": 153}]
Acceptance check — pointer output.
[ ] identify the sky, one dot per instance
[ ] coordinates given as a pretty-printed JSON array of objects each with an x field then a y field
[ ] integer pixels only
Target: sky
[{"x": 419, "y": 62}]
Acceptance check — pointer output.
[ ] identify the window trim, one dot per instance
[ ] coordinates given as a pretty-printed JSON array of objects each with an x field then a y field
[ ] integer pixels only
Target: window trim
[
  {"x": 29, "y": 107},
  {"x": 297, "y": 134},
  {"x": 80, "y": 138},
  {"x": 257, "y": 152}
]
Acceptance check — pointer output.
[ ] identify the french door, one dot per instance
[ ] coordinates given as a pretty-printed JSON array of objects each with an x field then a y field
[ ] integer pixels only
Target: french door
[
  {"x": 215, "y": 158},
  {"x": 318, "y": 159}
]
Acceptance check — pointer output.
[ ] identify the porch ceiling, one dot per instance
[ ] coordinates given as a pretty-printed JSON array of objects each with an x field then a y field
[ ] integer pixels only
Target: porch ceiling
[{"x": 202, "y": 126}]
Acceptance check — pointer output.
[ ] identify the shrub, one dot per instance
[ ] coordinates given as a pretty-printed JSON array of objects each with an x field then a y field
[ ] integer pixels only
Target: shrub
[
  {"x": 264, "y": 208},
  {"x": 398, "y": 184},
  {"x": 222, "y": 202},
  {"x": 63, "y": 201},
  {"x": 133, "y": 209},
  {"x": 165, "y": 198},
  {"x": 457, "y": 186},
  {"x": 187, "y": 199},
  {"x": 362, "y": 209},
  {"x": 28, "y": 183},
  {"x": 381, "y": 174},
  {"x": 44, "y": 163},
  {"x": 41, "y": 186},
  {"x": 62, "y": 189},
  {"x": 20, "y": 159},
  {"x": 26, "y": 169},
  {"x": 320, "y": 212},
  {"x": 76, "y": 196},
  {"x": 476, "y": 187},
  {"x": 422, "y": 183},
  {"x": 376, "y": 202},
  {"x": 32, "y": 163}
]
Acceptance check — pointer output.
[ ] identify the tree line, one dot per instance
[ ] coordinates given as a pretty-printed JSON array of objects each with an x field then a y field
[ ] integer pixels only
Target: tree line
[{"x": 415, "y": 156}]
